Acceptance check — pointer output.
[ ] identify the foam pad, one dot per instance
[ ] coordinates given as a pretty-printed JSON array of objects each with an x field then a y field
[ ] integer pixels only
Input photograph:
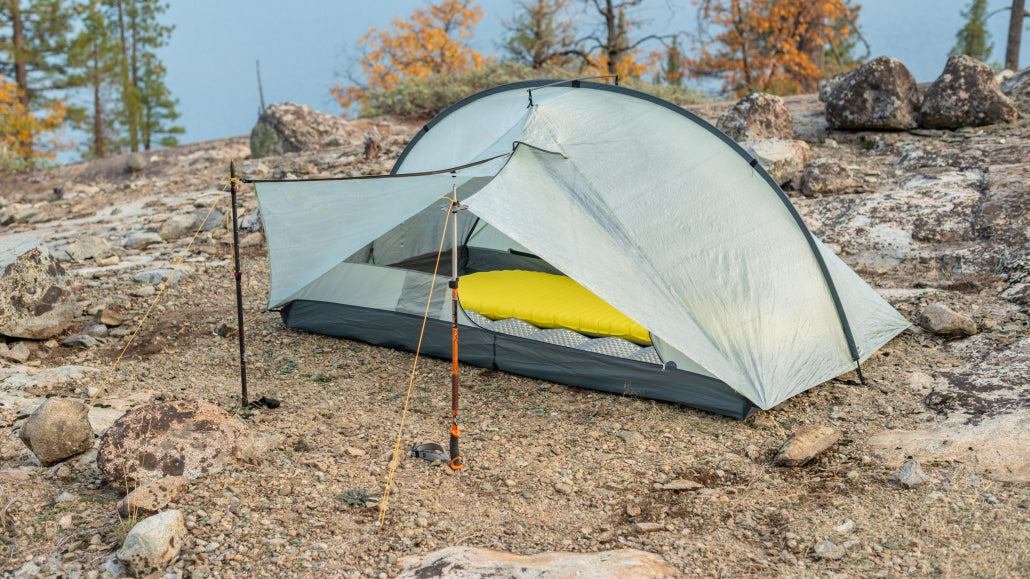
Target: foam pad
[{"x": 546, "y": 301}]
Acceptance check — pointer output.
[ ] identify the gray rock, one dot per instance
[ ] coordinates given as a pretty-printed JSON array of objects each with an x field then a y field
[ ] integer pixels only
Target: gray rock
[
  {"x": 782, "y": 159},
  {"x": 757, "y": 116},
  {"x": 805, "y": 444},
  {"x": 828, "y": 550},
  {"x": 86, "y": 247},
  {"x": 135, "y": 163},
  {"x": 152, "y": 497},
  {"x": 57, "y": 429},
  {"x": 290, "y": 127},
  {"x": 942, "y": 320},
  {"x": 1017, "y": 88},
  {"x": 142, "y": 240},
  {"x": 825, "y": 177},
  {"x": 156, "y": 276},
  {"x": 179, "y": 226},
  {"x": 187, "y": 438},
  {"x": 215, "y": 219},
  {"x": 36, "y": 297},
  {"x": 95, "y": 330},
  {"x": 251, "y": 221},
  {"x": 912, "y": 475},
  {"x": 478, "y": 563},
  {"x": 965, "y": 95},
  {"x": 879, "y": 95},
  {"x": 81, "y": 340},
  {"x": 19, "y": 352},
  {"x": 153, "y": 543}
]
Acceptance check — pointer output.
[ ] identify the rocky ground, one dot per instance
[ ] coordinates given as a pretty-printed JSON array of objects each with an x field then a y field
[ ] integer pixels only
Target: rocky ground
[{"x": 934, "y": 217}]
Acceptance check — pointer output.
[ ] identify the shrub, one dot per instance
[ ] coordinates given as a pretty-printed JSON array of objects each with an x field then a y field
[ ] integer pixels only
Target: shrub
[{"x": 429, "y": 96}]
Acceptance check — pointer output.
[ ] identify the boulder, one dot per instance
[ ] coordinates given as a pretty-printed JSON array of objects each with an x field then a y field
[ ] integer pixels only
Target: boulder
[
  {"x": 179, "y": 226},
  {"x": 57, "y": 429},
  {"x": 942, "y": 320},
  {"x": 86, "y": 247},
  {"x": 1017, "y": 88},
  {"x": 290, "y": 127},
  {"x": 215, "y": 219},
  {"x": 757, "y": 116},
  {"x": 477, "y": 563},
  {"x": 135, "y": 163},
  {"x": 783, "y": 159},
  {"x": 824, "y": 177},
  {"x": 805, "y": 444},
  {"x": 252, "y": 221},
  {"x": 187, "y": 438},
  {"x": 153, "y": 543},
  {"x": 36, "y": 298},
  {"x": 152, "y": 497},
  {"x": 912, "y": 475},
  {"x": 879, "y": 95},
  {"x": 965, "y": 95}
]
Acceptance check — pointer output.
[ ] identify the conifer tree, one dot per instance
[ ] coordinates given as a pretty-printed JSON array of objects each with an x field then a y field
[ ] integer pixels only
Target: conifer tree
[
  {"x": 94, "y": 55},
  {"x": 34, "y": 44},
  {"x": 974, "y": 39},
  {"x": 540, "y": 33}
]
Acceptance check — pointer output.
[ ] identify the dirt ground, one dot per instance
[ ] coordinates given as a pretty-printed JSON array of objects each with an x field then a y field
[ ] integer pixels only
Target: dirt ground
[{"x": 550, "y": 467}]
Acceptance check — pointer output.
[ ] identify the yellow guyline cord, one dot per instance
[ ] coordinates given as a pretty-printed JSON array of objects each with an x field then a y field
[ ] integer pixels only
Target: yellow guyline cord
[
  {"x": 157, "y": 298},
  {"x": 395, "y": 458}
]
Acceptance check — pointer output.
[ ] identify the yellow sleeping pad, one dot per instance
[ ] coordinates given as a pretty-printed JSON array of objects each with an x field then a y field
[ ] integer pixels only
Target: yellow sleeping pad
[{"x": 547, "y": 301}]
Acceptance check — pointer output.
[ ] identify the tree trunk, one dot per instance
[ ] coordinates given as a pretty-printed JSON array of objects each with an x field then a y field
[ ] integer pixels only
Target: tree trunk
[
  {"x": 613, "y": 38},
  {"x": 1015, "y": 35},
  {"x": 98, "y": 105},
  {"x": 21, "y": 72}
]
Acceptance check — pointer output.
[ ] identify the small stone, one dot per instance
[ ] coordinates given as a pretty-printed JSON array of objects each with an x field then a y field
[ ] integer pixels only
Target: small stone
[
  {"x": 285, "y": 491},
  {"x": 845, "y": 527},
  {"x": 142, "y": 240},
  {"x": 65, "y": 497},
  {"x": 153, "y": 543},
  {"x": 179, "y": 226},
  {"x": 81, "y": 340},
  {"x": 564, "y": 488},
  {"x": 108, "y": 261},
  {"x": 828, "y": 550},
  {"x": 145, "y": 291},
  {"x": 354, "y": 451},
  {"x": 633, "y": 510},
  {"x": 633, "y": 438},
  {"x": 942, "y": 320},
  {"x": 805, "y": 444},
  {"x": 95, "y": 330},
  {"x": 135, "y": 163},
  {"x": 912, "y": 475},
  {"x": 157, "y": 276},
  {"x": 19, "y": 353},
  {"x": 682, "y": 485},
  {"x": 152, "y": 497},
  {"x": 112, "y": 315},
  {"x": 647, "y": 527}
]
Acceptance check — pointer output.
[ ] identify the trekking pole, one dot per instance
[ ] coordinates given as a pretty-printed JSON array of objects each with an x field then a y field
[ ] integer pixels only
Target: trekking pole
[
  {"x": 239, "y": 286},
  {"x": 457, "y": 462}
]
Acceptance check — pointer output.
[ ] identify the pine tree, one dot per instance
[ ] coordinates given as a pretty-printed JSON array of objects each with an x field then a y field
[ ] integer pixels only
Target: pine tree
[
  {"x": 974, "y": 39},
  {"x": 94, "y": 56},
  {"x": 34, "y": 44},
  {"x": 540, "y": 34},
  {"x": 146, "y": 104}
]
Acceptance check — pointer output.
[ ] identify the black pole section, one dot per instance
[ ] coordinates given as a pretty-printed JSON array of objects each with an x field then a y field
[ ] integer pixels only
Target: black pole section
[{"x": 239, "y": 286}]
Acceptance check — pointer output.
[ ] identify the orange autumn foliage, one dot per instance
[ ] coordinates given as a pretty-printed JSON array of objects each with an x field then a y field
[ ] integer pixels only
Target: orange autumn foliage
[
  {"x": 775, "y": 46},
  {"x": 20, "y": 128},
  {"x": 431, "y": 41}
]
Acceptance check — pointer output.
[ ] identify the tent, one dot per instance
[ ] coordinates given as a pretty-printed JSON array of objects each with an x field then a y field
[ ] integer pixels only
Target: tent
[{"x": 612, "y": 240}]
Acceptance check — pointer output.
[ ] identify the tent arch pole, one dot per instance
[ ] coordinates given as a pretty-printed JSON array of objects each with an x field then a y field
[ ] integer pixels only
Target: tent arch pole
[{"x": 537, "y": 84}]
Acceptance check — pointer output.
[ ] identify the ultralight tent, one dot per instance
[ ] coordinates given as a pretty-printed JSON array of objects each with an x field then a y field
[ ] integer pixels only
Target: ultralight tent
[{"x": 612, "y": 241}]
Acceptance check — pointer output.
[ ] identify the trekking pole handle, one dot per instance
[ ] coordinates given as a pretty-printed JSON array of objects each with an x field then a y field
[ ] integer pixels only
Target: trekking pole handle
[{"x": 457, "y": 463}]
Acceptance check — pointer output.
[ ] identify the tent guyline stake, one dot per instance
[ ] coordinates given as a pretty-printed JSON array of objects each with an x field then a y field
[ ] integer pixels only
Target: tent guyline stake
[
  {"x": 233, "y": 182},
  {"x": 395, "y": 459},
  {"x": 457, "y": 462}
]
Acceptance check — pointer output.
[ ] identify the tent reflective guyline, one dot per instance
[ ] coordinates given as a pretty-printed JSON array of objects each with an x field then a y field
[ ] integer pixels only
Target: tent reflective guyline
[{"x": 612, "y": 241}]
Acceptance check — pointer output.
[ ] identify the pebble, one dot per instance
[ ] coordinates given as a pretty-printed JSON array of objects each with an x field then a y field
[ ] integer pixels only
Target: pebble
[{"x": 912, "y": 476}]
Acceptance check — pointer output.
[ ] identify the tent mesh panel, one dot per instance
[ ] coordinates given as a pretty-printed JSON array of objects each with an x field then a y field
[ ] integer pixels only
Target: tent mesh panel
[
  {"x": 561, "y": 336},
  {"x": 611, "y": 347}
]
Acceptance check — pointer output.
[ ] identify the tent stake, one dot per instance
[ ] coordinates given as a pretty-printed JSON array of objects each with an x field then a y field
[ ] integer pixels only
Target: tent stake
[
  {"x": 239, "y": 286},
  {"x": 457, "y": 462}
]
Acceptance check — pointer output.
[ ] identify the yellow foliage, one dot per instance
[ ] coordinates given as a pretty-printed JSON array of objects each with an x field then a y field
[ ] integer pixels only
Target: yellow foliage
[
  {"x": 431, "y": 41},
  {"x": 769, "y": 45},
  {"x": 20, "y": 128}
]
